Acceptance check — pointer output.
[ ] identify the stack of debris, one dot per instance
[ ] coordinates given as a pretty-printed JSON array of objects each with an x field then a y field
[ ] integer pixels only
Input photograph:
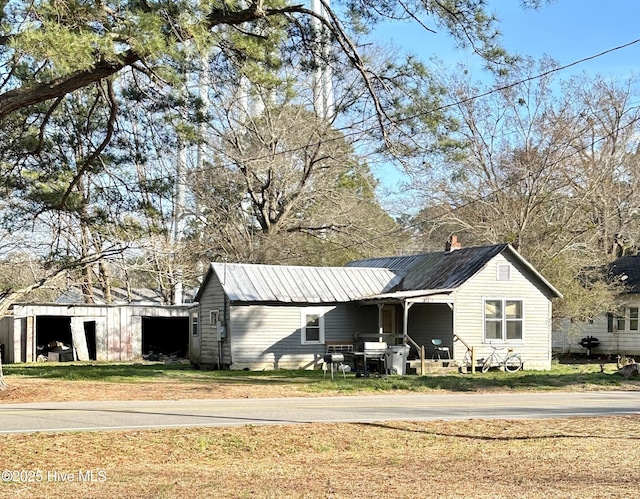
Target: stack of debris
[
  {"x": 54, "y": 351},
  {"x": 172, "y": 358}
]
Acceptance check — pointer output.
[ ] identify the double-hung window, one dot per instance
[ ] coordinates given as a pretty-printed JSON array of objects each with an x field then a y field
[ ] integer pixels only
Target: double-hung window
[
  {"x": 625, "y": 320},
  {"x": 312, "y": 326},
  {"x": 503, "y": 320}
]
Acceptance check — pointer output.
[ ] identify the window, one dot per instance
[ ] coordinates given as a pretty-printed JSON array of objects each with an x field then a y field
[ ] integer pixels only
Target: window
[
  {"x": 504, "y": 272},
  {"x": 625, "y": 320},
  {"x": 312, "y": 326},
  {"x": 503, "y": 320},
  {"x": 213, "y": 318},
  {"x": 194, "y": 324}
]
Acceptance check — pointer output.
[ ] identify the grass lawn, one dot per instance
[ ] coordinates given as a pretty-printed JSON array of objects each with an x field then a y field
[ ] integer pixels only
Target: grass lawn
[
  {"x": 102, "y": 381},
  {"x": 581, "y": 457}
]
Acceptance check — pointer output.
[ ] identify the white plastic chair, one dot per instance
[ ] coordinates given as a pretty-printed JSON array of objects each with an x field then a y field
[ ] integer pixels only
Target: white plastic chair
[{"x": 440, "y": 349}]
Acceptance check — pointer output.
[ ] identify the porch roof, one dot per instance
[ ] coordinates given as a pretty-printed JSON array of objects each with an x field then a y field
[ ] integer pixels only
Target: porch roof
[{"x": 414, "y": 296}]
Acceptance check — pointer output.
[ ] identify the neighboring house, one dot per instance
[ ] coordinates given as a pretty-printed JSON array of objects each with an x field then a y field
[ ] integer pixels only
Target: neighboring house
[
  {"x": 135, "y": 323},
  {"x": 270, "y": 317},
  {"x": 617, "y": 334}
]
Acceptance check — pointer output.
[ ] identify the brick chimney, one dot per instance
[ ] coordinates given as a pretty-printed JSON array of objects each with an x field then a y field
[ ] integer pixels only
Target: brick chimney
[{"x": 452, "y": 244}]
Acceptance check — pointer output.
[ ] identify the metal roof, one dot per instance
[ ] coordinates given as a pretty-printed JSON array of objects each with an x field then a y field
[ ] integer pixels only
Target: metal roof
[
  {"x": 370, "y": 279},
  {"x": 74, "y": 295},
  {"x": 443, "y": 269},
  {"x": 447, "y": 269},
  {"x": 299, "y": 284}
]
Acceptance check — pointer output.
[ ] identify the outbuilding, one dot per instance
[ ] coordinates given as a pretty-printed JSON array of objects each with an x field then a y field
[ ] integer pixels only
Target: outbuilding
[{"x": 133, "y": 325}]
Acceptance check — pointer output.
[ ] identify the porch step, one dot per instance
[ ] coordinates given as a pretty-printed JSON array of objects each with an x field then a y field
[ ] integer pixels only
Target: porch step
[{"x": 443, "y": 366}]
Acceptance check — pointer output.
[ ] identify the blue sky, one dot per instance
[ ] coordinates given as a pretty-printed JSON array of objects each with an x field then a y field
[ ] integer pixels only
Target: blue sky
[{"x": 566, "y": 30}]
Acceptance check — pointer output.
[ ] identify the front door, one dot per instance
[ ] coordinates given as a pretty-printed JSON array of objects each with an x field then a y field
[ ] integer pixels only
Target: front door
[{"x": 389, "y": 320}]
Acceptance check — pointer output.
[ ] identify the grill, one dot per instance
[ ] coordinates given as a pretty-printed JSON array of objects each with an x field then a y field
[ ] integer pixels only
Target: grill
[
  {"x": 334, "y": 357},
  {"x": 374, "y": 348},
  {"x": 589, "y": 342},
  {"x": 376, "y": 351}
]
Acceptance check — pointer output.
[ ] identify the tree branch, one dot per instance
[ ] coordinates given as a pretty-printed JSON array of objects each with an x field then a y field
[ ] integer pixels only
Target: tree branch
[
  {"x": 36, "y": 93},
  {"x": 113, "y": 107}
]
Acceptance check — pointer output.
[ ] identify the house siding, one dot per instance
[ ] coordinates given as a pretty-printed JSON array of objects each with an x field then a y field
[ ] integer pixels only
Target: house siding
[
  {"x": 206, "y": 345},
  {"x": 431, "y": 321},
  {"x": 567, "y": 335},
  {"x": 269, "y": 336},
  {"x": 535, "y": 347}
]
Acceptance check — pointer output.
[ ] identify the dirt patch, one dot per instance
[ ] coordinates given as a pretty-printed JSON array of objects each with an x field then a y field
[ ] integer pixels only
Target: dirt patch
[{"x": 23, "y": 390}]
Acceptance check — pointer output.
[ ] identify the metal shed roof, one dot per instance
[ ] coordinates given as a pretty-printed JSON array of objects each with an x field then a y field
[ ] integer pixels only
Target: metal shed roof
[{"x": 299, "y": 284}]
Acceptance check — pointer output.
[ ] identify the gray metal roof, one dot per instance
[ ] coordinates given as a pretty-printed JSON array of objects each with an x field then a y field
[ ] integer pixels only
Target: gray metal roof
[
  {"x": 372, "y": 278},
  {"x": 299, "y": 284},
  {"x": 447, "y": 269},
  {"x": 443, "y": 269},
  {"x": 74, "y": 295}
]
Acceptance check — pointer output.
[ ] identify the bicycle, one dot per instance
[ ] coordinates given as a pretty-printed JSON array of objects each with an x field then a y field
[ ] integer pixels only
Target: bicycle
[{"x": 511, "y": 362}]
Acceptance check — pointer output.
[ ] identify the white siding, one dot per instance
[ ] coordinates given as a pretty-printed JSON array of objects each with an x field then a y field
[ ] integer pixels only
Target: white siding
[
  {"x": 204, "y": 347},
  {"x": 269, "y": 336},
  {"x": 535, "y": 347},
  {"x": 567, "y": 335}
]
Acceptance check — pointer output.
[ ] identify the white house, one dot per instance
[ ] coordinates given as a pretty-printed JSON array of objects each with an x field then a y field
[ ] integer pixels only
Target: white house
[
  {"x": 269, "y": 317},
  {"x": 616, "y": 334}
]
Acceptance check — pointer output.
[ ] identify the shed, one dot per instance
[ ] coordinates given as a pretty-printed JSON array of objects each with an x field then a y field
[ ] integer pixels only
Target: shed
[{"x": 120, "y": 331}]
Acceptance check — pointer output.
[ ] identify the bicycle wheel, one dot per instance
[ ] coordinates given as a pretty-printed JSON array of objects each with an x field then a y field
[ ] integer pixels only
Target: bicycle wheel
[
  {"x": 486, "y": 365},
  {"x": 513, "y": 363}
]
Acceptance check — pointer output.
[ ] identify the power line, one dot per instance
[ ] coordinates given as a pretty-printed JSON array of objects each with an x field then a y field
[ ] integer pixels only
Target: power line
[
  {"x": 514, "y": 182},
  {"x": 501, "y": 88},
  {"x": 418, "y": 224}
]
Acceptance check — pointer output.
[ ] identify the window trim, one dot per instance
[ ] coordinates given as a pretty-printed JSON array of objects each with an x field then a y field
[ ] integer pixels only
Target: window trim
[
  {"x": 615, "y": 319},
  {"x": 195, "y": 330},
  {"x": 503, "y": 320},
  {"x": 214, "y": 317},
  {"x": 306, "y": 311},
  {"x": 635, "y": 319}
]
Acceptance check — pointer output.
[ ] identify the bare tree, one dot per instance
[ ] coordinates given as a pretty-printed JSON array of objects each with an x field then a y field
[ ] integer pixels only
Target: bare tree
[
  {"x": 286, "y": 187},
  {"x": 552, "y": 173}
]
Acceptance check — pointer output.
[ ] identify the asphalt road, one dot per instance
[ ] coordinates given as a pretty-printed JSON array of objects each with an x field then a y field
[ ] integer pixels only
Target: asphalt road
[{"x": 85, "y": 416}]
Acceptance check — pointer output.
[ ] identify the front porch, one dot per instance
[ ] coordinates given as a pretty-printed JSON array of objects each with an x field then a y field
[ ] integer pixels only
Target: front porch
[{"x": 422, "y": 320}]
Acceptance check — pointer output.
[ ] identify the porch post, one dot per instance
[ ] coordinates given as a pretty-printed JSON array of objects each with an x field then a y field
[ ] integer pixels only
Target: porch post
[
  {"x": 380, "y": 319},
  {"x": 405, "y": 319},
  {"x": 406, "y": 305}
]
